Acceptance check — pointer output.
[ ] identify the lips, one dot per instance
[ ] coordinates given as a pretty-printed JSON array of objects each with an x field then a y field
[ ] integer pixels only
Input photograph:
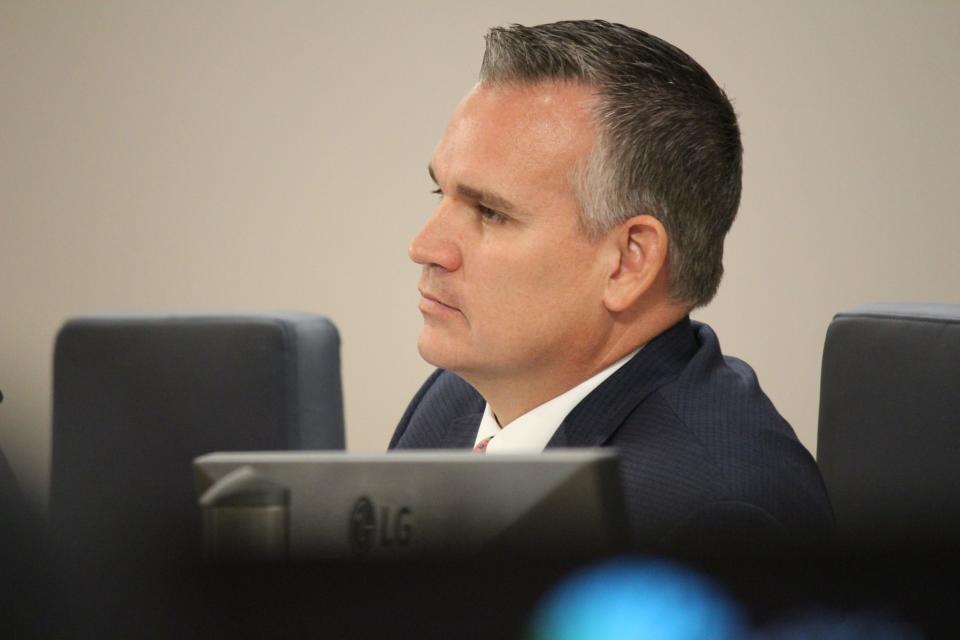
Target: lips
[{"x": 436, "y": 301}]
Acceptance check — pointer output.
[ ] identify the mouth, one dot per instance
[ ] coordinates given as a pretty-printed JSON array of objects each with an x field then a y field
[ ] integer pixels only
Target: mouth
[{"x": 431, "y": 304}]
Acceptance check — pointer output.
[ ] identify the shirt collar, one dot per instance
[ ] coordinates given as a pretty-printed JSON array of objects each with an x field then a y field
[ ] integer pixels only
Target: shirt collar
[{"x": 531, "y": 432}]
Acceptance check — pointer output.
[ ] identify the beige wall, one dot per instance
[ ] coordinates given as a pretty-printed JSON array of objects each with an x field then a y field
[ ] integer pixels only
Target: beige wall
[{"x": 213, "y": 156}]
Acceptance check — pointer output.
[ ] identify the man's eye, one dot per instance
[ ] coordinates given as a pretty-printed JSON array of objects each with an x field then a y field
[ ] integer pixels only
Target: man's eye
[
  {"x": 437, "y": 192},
  {"x": 490, "y": 215}
]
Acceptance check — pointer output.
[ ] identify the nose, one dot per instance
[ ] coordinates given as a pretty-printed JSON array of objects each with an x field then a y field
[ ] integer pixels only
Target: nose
[{"x": 436, "y": 244}]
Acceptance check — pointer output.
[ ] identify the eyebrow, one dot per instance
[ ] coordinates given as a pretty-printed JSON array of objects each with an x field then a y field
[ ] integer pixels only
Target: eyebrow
[{"x": 489, "y": 199}]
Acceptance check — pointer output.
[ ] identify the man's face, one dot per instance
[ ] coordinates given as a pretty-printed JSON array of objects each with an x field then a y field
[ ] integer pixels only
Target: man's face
[{"x": 511, "y": 286}]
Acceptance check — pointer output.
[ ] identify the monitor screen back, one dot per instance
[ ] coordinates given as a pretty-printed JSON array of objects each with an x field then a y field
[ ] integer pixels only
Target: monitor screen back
[{"x": 313, "y": 505}]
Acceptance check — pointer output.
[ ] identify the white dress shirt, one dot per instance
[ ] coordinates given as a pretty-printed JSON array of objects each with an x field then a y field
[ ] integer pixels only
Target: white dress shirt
[{"x": 531, "y": 432}]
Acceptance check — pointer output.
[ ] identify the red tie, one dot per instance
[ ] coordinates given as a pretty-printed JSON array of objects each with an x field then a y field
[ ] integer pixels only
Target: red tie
[{"x": 482, "y": 445}]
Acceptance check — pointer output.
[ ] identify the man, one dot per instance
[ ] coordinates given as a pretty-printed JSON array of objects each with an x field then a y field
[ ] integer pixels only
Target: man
[{"x": 586, "y": 185}]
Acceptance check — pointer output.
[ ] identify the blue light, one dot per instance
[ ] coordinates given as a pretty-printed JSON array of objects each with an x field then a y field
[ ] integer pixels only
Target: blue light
[{"x": 634, "y": 599}]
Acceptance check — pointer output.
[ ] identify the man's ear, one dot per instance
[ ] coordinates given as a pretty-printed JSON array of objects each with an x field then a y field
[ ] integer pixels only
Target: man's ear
[{"x": 642, "y": 245}]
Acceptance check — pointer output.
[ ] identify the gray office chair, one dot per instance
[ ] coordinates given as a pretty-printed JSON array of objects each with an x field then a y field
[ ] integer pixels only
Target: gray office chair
[
  {"x": 889, "y": 432},
  {"x": 136, "y": 398}
]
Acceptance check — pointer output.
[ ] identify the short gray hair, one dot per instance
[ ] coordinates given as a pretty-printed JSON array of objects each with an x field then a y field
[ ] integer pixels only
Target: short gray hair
[{"x": 668, "y": 140}]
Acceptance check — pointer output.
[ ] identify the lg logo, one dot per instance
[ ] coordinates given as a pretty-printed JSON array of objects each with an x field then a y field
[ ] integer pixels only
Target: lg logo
[{"x": 389, "y": 527}]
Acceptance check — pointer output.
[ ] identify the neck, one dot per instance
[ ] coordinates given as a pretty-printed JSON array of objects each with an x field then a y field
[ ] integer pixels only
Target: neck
[
  {"x": 513, "y": 395},
  {"x": 510, "y": 399}
]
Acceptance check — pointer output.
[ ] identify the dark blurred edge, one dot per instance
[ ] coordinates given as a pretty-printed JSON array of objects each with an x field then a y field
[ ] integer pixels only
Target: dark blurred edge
[{"x": 442, "y": 598}]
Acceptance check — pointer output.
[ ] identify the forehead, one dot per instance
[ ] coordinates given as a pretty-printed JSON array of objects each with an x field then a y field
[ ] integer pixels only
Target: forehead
[{"x": 517, "y": 136}]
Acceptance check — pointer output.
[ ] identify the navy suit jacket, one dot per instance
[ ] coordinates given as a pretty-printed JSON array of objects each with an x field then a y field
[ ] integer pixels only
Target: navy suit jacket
[{"x": 707, "y": 464}]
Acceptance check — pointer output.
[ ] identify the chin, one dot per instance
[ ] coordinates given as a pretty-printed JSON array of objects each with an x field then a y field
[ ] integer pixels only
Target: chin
[
  {"x": 444, "y": 353},
  {"x": 434, "y": 351}
]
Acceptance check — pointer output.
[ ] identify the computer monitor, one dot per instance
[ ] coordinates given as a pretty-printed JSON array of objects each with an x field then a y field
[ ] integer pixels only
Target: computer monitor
[{"x": 280, "y": 506}]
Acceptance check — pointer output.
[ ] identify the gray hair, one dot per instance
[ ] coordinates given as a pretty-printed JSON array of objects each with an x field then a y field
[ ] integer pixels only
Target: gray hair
[{"x": 668, "y": 141}]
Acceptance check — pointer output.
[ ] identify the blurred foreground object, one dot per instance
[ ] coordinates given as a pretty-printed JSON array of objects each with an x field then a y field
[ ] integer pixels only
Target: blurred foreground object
[
  {"x": 635, "y": 599},
  {"x": 841, "y": 626}
]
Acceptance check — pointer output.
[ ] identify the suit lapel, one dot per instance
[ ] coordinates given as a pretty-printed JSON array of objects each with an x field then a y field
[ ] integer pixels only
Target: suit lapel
[
  {"x": 462, "y": 432},
  {"x": 600, "y": 414}
]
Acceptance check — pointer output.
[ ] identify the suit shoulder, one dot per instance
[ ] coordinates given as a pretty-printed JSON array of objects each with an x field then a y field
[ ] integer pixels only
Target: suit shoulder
[
  {"x": 710, "y": 436},
  {"x": 719, "y": 399}
]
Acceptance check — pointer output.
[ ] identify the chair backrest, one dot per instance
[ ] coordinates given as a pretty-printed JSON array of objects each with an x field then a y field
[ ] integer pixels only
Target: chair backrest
[
  {"x": 137, "y": 398},
  {"x": 889, "y": 433}
]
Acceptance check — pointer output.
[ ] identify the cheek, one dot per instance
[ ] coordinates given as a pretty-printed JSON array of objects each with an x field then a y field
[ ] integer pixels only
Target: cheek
[
  {"x": 546, "y": 289},
  {"x": 567, "y": 274}
]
